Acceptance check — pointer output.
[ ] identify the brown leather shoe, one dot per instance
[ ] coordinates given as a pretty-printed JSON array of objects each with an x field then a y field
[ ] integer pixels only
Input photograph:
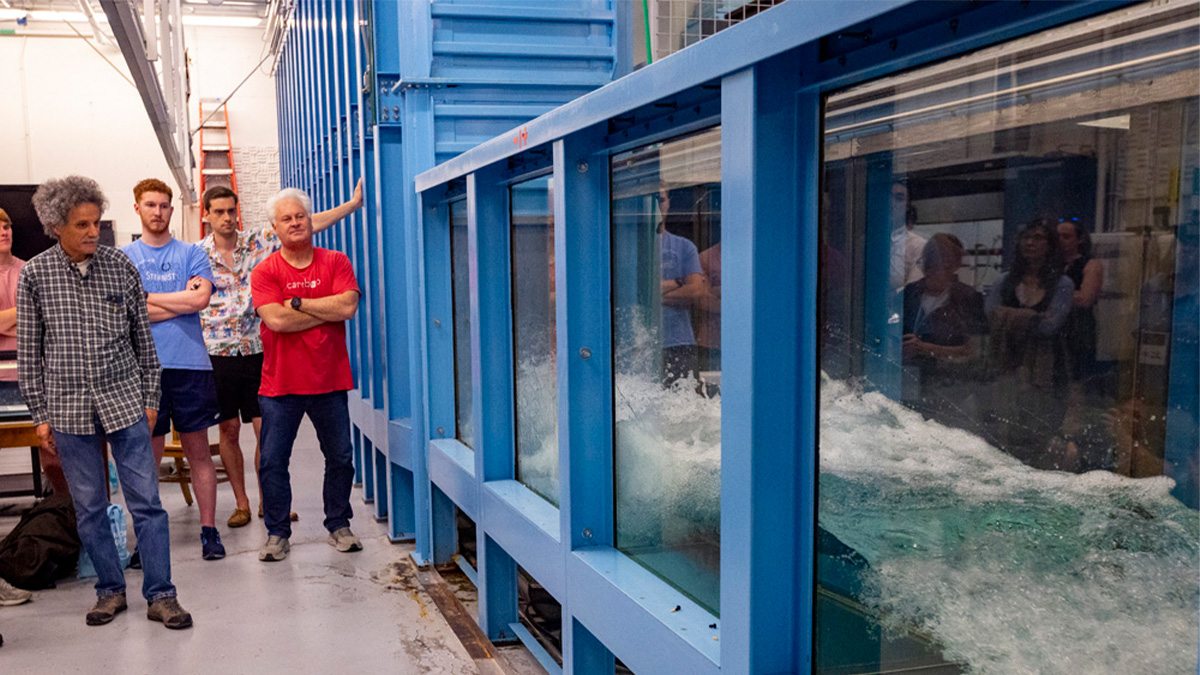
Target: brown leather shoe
[
  {"x": 293, "y": 516},
  {"x": 107, "y": 608},
  {"x": 168, "y": 611},
  {"x": 239, "y": 518}
]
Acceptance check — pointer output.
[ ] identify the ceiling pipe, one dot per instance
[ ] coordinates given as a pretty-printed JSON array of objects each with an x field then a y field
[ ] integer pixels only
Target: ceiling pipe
[{"x": 127, "y": 30}]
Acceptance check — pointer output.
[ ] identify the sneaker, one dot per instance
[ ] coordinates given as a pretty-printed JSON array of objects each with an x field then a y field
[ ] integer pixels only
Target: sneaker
[
  {"x": 211, "y": 547},
  {"x": 239, "y": 518},
  {"x": 344, "y": 540},
  {"x": 135, "y": 560},
  {"x": 11, "y": 595},
  {"x": 106, "y": 609},
  {"x": 168, "y": 612},
  {"x": 275, "y": 549}
]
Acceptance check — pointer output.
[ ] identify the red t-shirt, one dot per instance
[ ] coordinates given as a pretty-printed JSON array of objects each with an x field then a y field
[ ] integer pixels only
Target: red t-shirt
[{"x": 312, "y": 361}]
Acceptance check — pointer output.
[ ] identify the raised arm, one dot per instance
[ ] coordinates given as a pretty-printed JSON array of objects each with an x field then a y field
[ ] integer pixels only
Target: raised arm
[
  {"x": 340, "y": 307},
  {"x": 324, "y": 219},
  {"x": 282, "y": 318}
]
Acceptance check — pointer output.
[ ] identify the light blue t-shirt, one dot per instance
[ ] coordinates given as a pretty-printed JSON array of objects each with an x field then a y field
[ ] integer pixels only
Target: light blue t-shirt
[
  {"x": 166, "y": 269},
  {"x": 679, "y": 259}
]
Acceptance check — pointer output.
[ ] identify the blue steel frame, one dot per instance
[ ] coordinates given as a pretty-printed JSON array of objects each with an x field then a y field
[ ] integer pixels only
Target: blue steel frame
[
  {"x": 366, "y": 90},
  {"x": 769, "y": 76}
]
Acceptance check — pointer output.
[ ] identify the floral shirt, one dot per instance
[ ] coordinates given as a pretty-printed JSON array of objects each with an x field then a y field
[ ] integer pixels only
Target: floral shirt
[{"x": 231, "y": 327}]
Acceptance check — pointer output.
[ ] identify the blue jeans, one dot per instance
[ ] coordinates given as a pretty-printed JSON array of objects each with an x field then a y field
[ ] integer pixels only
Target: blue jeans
[
  {"x": 281, "y": 416},
  {"x": 83, "y": 462}
]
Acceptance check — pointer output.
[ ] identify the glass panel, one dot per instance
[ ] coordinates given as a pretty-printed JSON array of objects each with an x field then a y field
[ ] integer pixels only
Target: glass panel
[
  {"x": 532, "y": 243},
  {"x": 1008, "y": 453},
  {"x": 666, "y": 219},
  {"x": 460, "y": 288}
]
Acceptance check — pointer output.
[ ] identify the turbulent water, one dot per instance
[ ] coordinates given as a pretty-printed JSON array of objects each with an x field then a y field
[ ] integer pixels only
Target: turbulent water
[{"x": 1010, "y": 569}]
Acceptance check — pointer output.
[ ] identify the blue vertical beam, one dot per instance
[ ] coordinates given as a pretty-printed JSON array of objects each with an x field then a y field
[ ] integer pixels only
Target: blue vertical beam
[
  {"x": 584, "y": 356},
  {"x": 762, "y": 625},
  {"x": 491, "y": 324},
  {"x": 491, "y": 370},
  {"x": 307, "y": 101},
  {"x": 436, "y": 531},
  {"x": 584, "y": 350},
  {"x": 414, "y": 52}
]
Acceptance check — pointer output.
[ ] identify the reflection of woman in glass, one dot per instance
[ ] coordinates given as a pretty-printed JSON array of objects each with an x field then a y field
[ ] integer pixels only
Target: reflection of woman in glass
[
  {"x": 1027, "y": 309},
  {"x": 941, "y": 315},
  {"x": 681, "y": 286},
  {"x": 1087, "y": 275}
]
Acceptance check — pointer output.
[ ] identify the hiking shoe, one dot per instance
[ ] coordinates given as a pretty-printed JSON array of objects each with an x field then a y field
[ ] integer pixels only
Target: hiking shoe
[
  {"x": 344, "y": 540},
  {"x": 211, "y": 547},
  {"x": 11, "y": 595},
  {"x": 275, "y": 549},
  {"x": 135, "y": 560},
  {"x": 239, "y": 518},
  {"x": 168, "y": 612},
  {"x": 106, "y": 609}
]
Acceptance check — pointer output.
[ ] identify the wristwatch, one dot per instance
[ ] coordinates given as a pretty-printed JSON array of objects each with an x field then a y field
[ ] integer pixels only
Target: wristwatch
[{"x": 296, "y": 303}]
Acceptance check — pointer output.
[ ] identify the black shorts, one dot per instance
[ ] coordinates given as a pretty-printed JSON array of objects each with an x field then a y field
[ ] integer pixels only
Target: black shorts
[
  {"x": 238, "y": 379},
  {"x": 189, "y": 399}
]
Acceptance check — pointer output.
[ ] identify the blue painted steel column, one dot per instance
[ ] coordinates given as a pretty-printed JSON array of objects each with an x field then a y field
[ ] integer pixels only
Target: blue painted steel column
[
  {"x": 583, "y": 314},
  {"x": 763, "y": 625},
  {"x": 436, "y": 528},
  {"x": 491, "y": 368}
]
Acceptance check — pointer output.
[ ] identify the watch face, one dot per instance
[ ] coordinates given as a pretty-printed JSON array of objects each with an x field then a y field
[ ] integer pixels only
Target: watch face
[{"x": 296, "y": 302}]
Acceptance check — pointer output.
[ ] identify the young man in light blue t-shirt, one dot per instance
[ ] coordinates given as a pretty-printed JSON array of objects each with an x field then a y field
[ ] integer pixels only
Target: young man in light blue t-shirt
[{"x": 178, "y": 281}]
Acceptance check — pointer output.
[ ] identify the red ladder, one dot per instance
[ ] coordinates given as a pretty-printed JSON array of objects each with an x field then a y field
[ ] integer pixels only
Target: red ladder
[{"x": 216, "y": 152}]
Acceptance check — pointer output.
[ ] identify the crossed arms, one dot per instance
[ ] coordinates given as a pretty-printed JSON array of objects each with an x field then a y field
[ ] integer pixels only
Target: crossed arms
[{"x": 281, "y": 318}]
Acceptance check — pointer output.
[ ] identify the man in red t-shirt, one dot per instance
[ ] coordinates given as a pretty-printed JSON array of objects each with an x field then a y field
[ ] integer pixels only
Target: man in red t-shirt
[{"x": 304, "y": 296}]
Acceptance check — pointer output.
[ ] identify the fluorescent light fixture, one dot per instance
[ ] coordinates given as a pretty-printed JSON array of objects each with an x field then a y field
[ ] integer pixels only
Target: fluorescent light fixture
[
  {"x": 73, "y": 17},
  {"x": 223, "y": 21},
  {"x": 12, "y": 14},
  {"x": 1116, "y": 122}
]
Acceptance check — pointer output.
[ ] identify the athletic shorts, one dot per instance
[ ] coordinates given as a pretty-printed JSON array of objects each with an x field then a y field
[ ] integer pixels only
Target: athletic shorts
[
  {"x": 189, "y": 399},
  {"x": 238, "y": 379}
]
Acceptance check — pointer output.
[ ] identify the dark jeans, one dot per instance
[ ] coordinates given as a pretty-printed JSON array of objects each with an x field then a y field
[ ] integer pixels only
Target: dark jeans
[
  {"x": 83, "y": 462},
  {"x": 281, "y": 416}
]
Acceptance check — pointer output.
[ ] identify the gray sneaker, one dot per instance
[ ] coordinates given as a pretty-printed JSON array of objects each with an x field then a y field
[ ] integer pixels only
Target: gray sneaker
[
  {"x": 344, "y": 540},
  {"x": 275, "y": 549},
  {"x": 11, "y": 595}
]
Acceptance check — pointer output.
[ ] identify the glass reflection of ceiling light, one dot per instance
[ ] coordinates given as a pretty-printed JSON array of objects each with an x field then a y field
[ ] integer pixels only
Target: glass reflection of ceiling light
[{"x": 1116, "y": 122}]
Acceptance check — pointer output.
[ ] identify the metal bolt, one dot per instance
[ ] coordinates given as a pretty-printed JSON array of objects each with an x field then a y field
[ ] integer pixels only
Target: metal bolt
[
  {"x": 437, "y": 323},
  {"x": 587, "y": 533},
  {"x": 396, "y": 111},
  {"x": 582, "y": 166},
  {"x": 585, "y": 353},
  {"x": 441, "y": 431}
]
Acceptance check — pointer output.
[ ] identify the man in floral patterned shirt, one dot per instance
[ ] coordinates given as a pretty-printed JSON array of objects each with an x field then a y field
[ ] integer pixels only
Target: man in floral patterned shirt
[{"x": 231, "y": 327}]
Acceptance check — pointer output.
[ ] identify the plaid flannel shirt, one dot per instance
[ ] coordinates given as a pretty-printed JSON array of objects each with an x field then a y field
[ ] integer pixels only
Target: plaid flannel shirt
[{"x": 84, "y": 348}]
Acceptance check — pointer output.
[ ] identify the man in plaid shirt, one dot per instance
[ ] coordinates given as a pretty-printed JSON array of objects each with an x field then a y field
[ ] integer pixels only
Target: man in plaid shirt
[{"x": 88, "y": 370}]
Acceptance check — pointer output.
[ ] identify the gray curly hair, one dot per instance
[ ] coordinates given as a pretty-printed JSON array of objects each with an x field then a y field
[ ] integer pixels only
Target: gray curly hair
[
  {"x": 56, "y": 197},
  {"x": 288, "y": 193}
]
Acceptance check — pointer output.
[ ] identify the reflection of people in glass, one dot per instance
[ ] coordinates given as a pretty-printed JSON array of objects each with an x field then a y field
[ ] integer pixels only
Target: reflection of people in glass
[
  {"x": 941, "y": 315},
  {"x": 1087, "y": 275},
  {"x": 708, "y": 327},
  {"x": 907, "y": 246},
  {"x": 1027, "y": 309},
  {"x": 682, "y": 285}
]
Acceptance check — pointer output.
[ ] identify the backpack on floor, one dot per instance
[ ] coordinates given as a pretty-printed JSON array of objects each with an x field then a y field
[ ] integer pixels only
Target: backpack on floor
[{"x": 43, "y": 547}]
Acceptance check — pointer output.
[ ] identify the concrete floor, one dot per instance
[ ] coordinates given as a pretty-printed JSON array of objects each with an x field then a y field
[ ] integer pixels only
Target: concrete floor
[{"x": 318, "y": 611}]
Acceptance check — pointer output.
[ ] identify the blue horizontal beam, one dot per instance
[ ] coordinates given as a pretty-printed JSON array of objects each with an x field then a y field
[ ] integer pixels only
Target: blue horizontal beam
[
  {"x": 525, "y": 525},
  {"x": 533, "y": 50},
  {"x": 451, "y": 467},
  {"x": 508, "y": 13},
  {"x": 493, "y": 111},
  {"x": 547, "y": 79}
]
